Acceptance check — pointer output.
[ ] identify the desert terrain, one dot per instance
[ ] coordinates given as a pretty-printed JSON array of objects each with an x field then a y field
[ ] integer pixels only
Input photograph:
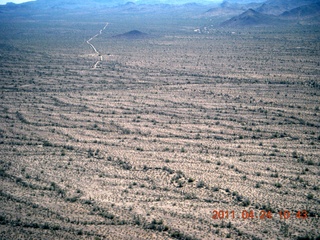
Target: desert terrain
[{"x": 151, "y": 138}]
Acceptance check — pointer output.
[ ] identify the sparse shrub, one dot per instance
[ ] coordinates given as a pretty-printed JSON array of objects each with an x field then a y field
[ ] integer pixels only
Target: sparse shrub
[
  {"x": 229, "y": 225},
  {"x": 305, "y": 238},
  {"x": 274, "y": 175},
  {"x": 180, "y": 184},
  {"x": 246, "y": 202},
  {"x": 125, "y": 165},
  {"x": 90, "y": 153},
  {"x": 87, "y": 201},
  {"x": 45, "y": 226},
  {"x": 200, "y": 184},
  {"x": 63, "y": 152},
  {"x": 310, "y": 163},
  {"x": 106, "y": 215},
  {"x": 136, "y": 220},
  {"x": 278, "y": 185},
  {"x": 72, "y": 199},
  {"x": 310, "y": 196},
  {"x": 53, "y": 186},
  {"x": 47, "y": 144},
  {"x": 189, "y": 196},
  {"x": 2, "y": 172},
  {"x": 181, "y": 236},
  {"x": 169, "y": 170},
  {"x": 145, "y": 168},
  {"x": 215, "y": 189},
  {"x": 295, "y": 154},
  {"x": 190, "y": 180}
]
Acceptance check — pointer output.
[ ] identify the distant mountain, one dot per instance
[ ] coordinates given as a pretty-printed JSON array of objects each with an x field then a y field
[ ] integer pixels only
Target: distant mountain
[
  {"x": 246, "y": 1},
  {"x": 110, "y": 3},
  {"x": 276, "y": 12},
  {"x": 303, "y": 12},
  {"x": 174, "y": 2},
  {"x": 56, "y": 9},
  {"x": 132, "y": 35},
  {"x": 277, "y": 7},
  {"x": 251, "y": 18},
  {"x": 228, "y": 8}
]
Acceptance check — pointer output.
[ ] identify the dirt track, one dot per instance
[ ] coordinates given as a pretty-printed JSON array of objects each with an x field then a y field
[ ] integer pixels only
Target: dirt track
[{"x": 94, "y": 48}]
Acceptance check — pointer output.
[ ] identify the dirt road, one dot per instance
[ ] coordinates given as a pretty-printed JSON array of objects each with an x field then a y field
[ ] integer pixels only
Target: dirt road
[{"x": 94, "y": 48}]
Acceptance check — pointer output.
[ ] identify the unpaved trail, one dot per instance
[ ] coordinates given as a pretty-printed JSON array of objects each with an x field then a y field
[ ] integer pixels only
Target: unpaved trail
[{"x": 94, "y": 48}]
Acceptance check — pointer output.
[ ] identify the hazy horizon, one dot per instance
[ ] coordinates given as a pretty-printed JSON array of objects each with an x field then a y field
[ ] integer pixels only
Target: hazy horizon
[{"x": 3, "y": 2}]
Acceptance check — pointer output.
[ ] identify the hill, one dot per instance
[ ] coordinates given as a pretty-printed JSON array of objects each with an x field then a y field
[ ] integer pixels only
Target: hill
[
  {"x": 228, "y": 8},
  {"x": 134, "y": 34},
  {"x": 303, "y": 12},
  {"x": 250, "y": 18},
  {"x": 277, "y": 7}
]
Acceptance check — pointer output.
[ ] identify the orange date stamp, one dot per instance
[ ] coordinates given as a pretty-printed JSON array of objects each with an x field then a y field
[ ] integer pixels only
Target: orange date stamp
[{"x": 261, "y": 214}]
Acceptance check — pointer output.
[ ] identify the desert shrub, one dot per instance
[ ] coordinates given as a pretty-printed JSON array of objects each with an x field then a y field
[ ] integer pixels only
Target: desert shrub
[
  {"x": 125, "y": 165},
  {"x": 169, "y": 170},
  {"x": 278, "y": 185},
  {"x": 310, "y": 163},
  {"x": 181, "y": 236},
  {"x": 246, "y": 202},
  {"x": 215, "y": 189},
  {"x": 47, "y": 144},
  {"x": 267, "y": 208},
  {"x": 189, "y": 196},
  {"x": 137, "y": 220},
  {"x": 107, "y": 215},
  {"x": 310, "y": 196},
  {"x": 305, "y": 238},
  {"x": 2, "y": 172},
  {"x": 295, "y": 154},
  {"x": 157, "y": 226},
  {"x": 190, "y": 180},
  {"x": 72, "y": 199},
  {"x": 200, "y": 184},
  {"x": 87, "y": 201}
]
